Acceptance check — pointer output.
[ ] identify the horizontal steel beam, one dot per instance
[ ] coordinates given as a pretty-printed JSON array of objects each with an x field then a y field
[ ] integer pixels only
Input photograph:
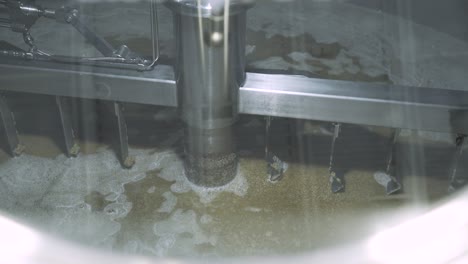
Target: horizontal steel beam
[
  {"x": 155, "y": 87},
  {"x": 430, "y": 109}
]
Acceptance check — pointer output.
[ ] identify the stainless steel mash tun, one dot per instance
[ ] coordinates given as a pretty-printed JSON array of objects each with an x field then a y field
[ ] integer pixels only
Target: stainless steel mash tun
[{"x": 209, "y": 85}]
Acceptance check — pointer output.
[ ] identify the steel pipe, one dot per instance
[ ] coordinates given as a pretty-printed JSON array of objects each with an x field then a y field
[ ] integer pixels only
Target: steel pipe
[{"x": 210, "y": 68}]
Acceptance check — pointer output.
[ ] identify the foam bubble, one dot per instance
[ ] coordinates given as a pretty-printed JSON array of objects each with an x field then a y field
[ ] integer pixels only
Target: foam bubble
[{"x": 118, "y": 209}]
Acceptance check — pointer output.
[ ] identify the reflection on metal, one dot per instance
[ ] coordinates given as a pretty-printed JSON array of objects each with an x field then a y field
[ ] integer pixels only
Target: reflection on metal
[
  {"x": 385, "y": 105},
  {"x": 71, "y": 148},
  {"x": 336, "y": 174},
  {"x": 156, "y": 87},
  {"x": 126, "y": 160},
  {"x": 9, "y": 127},
  {"x": 457, "y": 180},
  {"x": 438, "y": 110},
  {"x": 154, "y": 32}
]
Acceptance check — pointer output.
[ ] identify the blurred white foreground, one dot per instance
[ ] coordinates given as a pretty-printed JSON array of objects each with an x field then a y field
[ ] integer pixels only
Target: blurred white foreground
[{"x": 439, "y": 235}]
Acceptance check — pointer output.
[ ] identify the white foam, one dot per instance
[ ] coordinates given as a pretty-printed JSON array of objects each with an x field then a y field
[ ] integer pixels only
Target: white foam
[
  {"x": 237, "y": 186},
  {"x": 382, "y": 178},
  {"x": 92, "y": 228},
  {"x": 50, "y": 192},
  {"x": 61, "y": 185},
  {"x": 169, "y": 203},
  {"x": 249, "y": 49},
  {"x": 118, "y": 209},
  {"x": 272, "y": 63},
  {"x": 206, "y": 219},
  {"x": 170, "y": 233},
  {"x": 26, "y": 179},
  {"x": 151, "y": 189},
  {"x": 173, "y": 170},
  {"x": 377, "y": 39}
]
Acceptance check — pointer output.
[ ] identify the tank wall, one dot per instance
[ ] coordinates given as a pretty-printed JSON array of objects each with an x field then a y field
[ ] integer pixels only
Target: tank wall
[{"x": 446, "y": 16}]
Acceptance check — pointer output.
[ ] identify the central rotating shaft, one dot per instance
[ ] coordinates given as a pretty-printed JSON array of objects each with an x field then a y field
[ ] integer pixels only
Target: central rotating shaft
[{"x": 209, "y": 69}]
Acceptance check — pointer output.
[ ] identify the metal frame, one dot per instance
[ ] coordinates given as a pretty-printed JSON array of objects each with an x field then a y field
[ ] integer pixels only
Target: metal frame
[
  {"x": 429, "y": 109},
  {"x": 23, "y": 16}
]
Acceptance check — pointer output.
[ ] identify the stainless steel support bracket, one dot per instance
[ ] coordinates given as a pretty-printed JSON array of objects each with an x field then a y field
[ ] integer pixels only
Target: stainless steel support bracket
[
  {"x": 126, "y": 160},
  {"x": 9, "y": 126},
  {"x": 71, "y": 148}
]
